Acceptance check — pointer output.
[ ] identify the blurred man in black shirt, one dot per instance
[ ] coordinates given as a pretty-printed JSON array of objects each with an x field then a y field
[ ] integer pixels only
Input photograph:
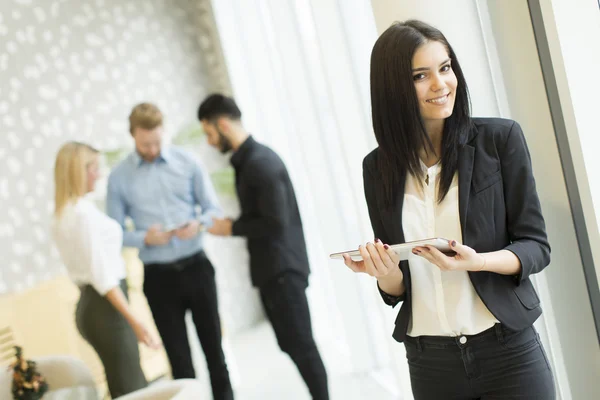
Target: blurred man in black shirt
[{"x": 271, "y": 222}]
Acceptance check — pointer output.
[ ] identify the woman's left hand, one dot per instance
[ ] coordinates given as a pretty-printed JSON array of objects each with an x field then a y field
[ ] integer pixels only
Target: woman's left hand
[{"x": 465, "y": 259}]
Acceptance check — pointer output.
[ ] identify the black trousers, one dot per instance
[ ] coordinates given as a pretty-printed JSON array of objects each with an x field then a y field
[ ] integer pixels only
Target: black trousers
[
  {"x": 286, "y": 306},
  {"x": 171, "y": 290},
  {"x": 496, "y": 364},
  {"x": 113, "y": 339}
]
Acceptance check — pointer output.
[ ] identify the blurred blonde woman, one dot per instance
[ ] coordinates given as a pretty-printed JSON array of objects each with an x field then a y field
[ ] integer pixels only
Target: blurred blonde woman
[{"x": 89, "y": 243}]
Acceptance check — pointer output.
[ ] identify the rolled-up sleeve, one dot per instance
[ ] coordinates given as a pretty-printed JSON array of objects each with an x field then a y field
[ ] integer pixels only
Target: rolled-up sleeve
[{"x": 389, "y": 299}]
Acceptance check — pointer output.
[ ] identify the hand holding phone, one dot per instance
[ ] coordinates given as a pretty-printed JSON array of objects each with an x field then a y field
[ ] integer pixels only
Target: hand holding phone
[
  {"x": 156, "y": 236},
  {"x": 171, "y": 228},
  {"x": 188, "y": 230}
]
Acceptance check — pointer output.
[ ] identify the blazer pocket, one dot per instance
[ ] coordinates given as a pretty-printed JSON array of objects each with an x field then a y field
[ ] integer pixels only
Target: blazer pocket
[
  {"x": 526, "y": 294},
  {"x": 488, "y": 181}
]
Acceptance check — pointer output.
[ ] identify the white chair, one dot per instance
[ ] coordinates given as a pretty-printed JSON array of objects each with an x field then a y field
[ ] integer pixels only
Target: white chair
[{"x": 68, "y": 378}]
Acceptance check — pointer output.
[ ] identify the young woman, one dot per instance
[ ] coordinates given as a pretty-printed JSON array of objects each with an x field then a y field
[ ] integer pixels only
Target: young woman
[
  {"x": 466, "y": 320},
  {"x": 89, "y": 244}
]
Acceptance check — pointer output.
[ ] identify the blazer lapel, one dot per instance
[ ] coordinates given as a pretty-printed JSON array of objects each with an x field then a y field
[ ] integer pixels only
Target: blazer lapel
[
  {"x": 465, "y": 173},
  {"x": 392, "y": 217}
]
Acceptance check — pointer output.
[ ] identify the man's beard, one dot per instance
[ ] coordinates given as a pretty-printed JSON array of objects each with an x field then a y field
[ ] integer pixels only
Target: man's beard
[{"x": 225, "y": 145}]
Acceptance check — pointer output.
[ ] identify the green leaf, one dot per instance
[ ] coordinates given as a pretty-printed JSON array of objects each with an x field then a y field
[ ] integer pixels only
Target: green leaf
[
  {"x": 113, "y": 157},
  {"x": 189, "y": 134},
  {"x": 224, "y": 181}
]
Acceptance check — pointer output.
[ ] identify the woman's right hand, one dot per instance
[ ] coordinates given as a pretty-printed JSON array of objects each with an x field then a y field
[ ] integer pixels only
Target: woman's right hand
[
  {"x": 377, "y": 260},
  {"x": 144, "y": 336}
]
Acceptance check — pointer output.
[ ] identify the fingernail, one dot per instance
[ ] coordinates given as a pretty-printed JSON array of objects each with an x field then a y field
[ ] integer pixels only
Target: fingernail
[
  {"x": 453, "y": 243},
  {"x": 385, "y": 246}
]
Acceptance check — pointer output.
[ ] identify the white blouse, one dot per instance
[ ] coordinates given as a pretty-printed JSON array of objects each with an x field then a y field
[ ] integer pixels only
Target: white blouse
[
  {"x": 444, "y": 303},
  {"x": 89, "y": 243}
]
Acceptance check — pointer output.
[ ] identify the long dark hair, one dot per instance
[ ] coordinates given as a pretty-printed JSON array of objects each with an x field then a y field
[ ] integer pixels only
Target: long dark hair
[{"x": 397, "y": 121}]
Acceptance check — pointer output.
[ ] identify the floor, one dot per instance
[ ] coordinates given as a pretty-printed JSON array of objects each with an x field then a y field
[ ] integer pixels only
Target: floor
[{"x": 260, "y": 371}]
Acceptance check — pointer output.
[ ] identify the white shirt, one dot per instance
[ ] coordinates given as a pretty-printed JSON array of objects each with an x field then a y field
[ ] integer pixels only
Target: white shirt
[
  {"x": 89, "y": 243},
  {"x": 444, "y": 303}
]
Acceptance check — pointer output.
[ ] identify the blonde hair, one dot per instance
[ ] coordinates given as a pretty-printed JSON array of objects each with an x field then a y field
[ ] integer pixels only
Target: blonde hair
[
  {"x": 145, "y": 116},
  {"x": 70, "y": 173}
]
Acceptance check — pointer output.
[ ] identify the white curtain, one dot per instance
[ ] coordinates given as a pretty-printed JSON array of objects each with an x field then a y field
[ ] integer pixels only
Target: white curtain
[{"x": 300, "y": 72}]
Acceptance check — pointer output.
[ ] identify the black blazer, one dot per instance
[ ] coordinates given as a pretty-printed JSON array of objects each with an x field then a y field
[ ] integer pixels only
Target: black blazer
[
  {"x": 498, "y": 209},
  {"x": 270, "y": 218}
]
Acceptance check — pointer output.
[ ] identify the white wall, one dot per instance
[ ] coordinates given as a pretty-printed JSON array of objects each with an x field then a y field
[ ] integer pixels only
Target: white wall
[{"x": 573, "y": 30}]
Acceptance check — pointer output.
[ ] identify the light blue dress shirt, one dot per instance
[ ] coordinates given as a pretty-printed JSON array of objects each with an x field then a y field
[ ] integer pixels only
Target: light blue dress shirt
[{"x": 170, "y": 191}]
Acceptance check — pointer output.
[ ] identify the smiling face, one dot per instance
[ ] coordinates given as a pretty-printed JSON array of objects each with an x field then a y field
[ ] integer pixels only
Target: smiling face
[{"x": 435, "y": 82}]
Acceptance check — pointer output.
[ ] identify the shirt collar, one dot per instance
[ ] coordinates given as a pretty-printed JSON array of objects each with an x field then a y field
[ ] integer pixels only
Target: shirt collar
[
  {"x": 434, "y": 169},
  {"x": 165, "y": 155},
  {"x": 242, "y": 153}
]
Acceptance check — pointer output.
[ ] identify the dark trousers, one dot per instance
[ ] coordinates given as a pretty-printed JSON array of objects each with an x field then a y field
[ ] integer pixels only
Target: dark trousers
[
  {"x": 171, "y": 290},
  {"x": 495, "y": 364},
  {"x": 286, "y": 306},
  {"x": 113, "y": 339}
]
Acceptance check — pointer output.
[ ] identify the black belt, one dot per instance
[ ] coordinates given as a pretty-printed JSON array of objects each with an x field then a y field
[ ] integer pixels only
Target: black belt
[
  {"x": 177, "y": 265},
  {"x": 451, "y": 341}
]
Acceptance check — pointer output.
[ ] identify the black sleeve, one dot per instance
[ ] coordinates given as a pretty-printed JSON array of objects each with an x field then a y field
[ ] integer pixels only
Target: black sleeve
[
  {"x": 526, "y": 226},
  {"x": 271, "y": 193}
]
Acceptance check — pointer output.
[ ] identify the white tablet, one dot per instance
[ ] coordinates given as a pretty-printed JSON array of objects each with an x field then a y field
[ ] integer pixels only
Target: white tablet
[{"x": 404, "y": 249}]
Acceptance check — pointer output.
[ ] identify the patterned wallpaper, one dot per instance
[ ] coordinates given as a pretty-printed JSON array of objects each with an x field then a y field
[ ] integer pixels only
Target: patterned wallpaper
[{"x": 73, "y": 69}]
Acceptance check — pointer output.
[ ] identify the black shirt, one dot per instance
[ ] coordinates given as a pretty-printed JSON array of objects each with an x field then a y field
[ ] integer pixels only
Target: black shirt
[{"x": 270, "y": 218}]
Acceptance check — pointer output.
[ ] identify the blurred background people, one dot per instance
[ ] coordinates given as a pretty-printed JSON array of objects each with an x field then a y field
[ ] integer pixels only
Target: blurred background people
[
  {"x": 160, "y": 188},
  {"x": 271, "y": 222},
  {"x": 89, "y": 244}
]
